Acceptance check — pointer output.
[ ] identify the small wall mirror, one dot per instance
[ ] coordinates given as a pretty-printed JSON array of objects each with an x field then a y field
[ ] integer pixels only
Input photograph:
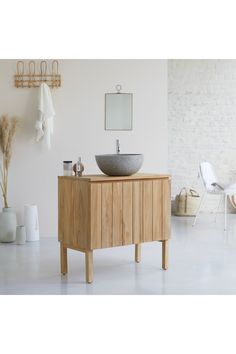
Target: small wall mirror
[{"x": 118, "y": 110}]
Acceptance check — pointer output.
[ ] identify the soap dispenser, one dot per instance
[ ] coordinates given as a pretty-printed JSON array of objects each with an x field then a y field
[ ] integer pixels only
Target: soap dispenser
[{"x": 78, "y": 168}]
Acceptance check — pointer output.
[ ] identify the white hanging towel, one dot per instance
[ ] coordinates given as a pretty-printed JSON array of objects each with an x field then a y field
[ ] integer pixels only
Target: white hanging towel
[{"x": 44, "y": 123}]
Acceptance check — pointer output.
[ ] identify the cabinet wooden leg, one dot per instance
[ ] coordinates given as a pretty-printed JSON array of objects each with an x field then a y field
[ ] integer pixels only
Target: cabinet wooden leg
[
  {"x": 64, "y": 267},
  {"x": 138, "y": 252},
  {"x": 165, "y": 254},
  {"x": 89, "y": 266}
]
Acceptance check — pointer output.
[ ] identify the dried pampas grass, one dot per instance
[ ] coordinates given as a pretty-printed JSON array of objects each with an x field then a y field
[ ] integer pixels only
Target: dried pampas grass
[{"x": 8, "y": 128}]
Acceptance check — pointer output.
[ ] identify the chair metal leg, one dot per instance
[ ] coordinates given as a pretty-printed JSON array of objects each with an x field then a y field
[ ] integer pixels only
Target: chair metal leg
[
  {"x": 219, "y": 204},
  {"x": 226, "y": 212},
  {"x": 199, "y": 208}
]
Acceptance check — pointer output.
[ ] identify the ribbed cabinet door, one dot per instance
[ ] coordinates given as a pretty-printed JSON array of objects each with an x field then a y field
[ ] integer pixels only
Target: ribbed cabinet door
[
  {"x": 68, "y": 225},
  {"x": 117, "y": 200},
  {"x": 166, "y": 227},
  {"x": 137, "y": 211},
  {"x": 107, "y": 214},
  {"x": 147, "y": 211},
  {"x": 61, "y": 221},
  {"x": 127, "y": 213},
  {"x": 81, "y": 214},
  {"x": 157, "y": 209},
  {"x": 112, "y": 214},
  {"x": 96, "y": 215}
]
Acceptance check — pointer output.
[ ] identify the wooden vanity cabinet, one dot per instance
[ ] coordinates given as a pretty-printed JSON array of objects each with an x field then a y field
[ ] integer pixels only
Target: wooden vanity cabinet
[{"x": 97, "y": 211}]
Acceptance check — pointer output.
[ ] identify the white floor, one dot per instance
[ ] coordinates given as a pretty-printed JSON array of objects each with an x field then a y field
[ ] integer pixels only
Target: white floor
[{"x": 202, "y": 261}]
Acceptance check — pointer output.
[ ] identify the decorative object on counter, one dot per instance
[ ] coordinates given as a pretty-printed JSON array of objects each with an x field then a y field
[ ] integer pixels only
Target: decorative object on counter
[
  {"x": 78, "y": 168},
  {"x": 8, "y": 127},
  {"x": 32, "y": 79},
  {"x": 187, "y": 202},
  {"x": 20, "y": 235},
  {"x": 45, "y": 119},
  {"x": 31, "y": 222},
  {"x": 8, "y": 224},
  {"x": 67, "y": 168}
]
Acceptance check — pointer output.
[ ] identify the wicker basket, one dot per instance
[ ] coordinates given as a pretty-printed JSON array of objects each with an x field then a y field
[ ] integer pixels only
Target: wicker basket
[{"x": 187, "y": 202}]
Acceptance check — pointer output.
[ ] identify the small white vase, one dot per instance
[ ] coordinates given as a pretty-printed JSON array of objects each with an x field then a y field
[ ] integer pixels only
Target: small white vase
[
  {"x": 8, "y": 224},
  {"x": 31, "y": 222},
  {"x": 20, "y": 235}
]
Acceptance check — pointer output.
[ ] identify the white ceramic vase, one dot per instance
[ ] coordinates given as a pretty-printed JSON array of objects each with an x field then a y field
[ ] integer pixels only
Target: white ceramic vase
[
  {"x": 31, "y": 222},
  {"x": 8, "y": 224}
]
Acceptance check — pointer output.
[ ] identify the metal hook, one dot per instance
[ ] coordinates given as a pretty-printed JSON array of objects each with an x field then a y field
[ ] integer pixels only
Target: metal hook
[{"x": 118, "y": 88}]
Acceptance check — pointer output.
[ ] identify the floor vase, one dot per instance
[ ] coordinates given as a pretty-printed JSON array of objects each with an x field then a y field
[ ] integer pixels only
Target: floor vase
[
  {"x": 8, "y": 224},
  {"x": 31, "y": 222}
]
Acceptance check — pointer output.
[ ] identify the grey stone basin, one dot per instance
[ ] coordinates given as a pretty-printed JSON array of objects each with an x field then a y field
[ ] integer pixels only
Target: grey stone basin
[{"x": 119, "y": 164}]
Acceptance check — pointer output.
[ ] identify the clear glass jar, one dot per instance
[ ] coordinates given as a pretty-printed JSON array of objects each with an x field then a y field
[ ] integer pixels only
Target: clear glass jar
[{"x": 67, "y": 168}]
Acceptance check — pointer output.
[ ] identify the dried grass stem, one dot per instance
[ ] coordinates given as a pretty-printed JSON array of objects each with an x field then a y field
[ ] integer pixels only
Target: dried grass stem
[{"x": 8, "y": 127}]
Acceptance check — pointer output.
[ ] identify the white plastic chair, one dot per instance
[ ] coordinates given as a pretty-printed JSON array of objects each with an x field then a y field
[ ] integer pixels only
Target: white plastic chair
[{"x": 212, "y": 186}]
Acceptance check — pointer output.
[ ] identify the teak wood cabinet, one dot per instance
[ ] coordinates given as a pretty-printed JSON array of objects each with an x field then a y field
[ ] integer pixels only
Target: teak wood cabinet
[{"x": 97, "y": 211}]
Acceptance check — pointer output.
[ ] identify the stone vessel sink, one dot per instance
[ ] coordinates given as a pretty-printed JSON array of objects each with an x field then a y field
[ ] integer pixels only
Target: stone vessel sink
[{"x": 119, "y": 164}]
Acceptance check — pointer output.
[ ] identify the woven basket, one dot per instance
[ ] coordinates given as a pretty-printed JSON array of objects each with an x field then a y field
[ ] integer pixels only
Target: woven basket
[
  {"x": 187, "y": 202},
  {"x": 232, "y": 200}
]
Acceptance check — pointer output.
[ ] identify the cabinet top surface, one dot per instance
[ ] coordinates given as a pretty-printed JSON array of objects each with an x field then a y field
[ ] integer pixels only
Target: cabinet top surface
[{"x": 104, "y": 178}]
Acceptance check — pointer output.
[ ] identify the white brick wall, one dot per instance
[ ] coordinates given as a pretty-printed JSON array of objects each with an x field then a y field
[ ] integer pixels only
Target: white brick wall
[{"x": 202, "y": 119}]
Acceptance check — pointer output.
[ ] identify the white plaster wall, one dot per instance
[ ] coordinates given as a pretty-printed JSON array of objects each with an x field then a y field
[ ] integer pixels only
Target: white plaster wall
[
  {"x": 202, "y": 120},
  {"x": 79, "y": 126}
]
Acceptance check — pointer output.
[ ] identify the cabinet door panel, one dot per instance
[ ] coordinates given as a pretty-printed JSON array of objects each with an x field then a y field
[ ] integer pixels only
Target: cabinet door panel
[
  {"x": 166, "y": 191},
  {"x": 137, "y": 212},
  {"x": 96, "y": 215},
  {"x": 147, "y": 211},
  {"x": 82, "y": 214},
  {"x": 61, "y": 220},
  {"x": 68, "y": 211},
  {"x": 157, "y": 210},
  {"x": 107, "y": 214},
  {"x": 127, "y": 213},
  {"x": 117, "y": 213}
]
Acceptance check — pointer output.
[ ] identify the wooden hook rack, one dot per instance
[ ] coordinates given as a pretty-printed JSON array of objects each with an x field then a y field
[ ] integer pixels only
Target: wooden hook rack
[{"x": 32, "y": 79}]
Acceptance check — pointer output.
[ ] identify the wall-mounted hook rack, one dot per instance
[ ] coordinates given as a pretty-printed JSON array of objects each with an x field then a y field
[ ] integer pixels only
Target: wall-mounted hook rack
[{"x": 33, "y": 79}]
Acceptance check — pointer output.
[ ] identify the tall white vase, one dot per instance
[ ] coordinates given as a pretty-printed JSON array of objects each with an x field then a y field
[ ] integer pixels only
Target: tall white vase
[
  {"x": 8, "y": 224},
  {"x": 31, "y": 222}
]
